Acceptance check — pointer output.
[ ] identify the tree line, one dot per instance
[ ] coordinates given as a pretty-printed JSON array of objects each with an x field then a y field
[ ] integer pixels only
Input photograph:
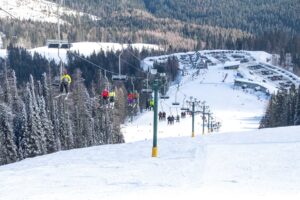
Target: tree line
[
  {"x": 283, "y": 109},
  {"x": 36, "y": 122},
  {"x": 36, "y": 119}
]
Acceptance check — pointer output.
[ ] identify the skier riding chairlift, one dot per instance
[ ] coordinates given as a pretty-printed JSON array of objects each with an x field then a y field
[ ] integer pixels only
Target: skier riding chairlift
[
  {"x": 65, "y": 82},
  {"x": 112, "y": 96},
  {"x": 105, "y": 94},
  {"x": 151, "y": 103}
]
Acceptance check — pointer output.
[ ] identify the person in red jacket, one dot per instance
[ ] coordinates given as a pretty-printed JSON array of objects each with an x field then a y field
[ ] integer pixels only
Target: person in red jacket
[{"x": 105, "y": 94}]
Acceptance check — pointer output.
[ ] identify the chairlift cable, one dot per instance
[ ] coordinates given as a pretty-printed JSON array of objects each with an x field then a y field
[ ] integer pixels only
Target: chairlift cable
[
  {"x": 8, "y": 13},
  {"x": 102, "y": 68}
]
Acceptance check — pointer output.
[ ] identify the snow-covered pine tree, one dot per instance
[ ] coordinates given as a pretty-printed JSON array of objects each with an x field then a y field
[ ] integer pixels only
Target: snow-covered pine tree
[
  {"x": 291, "y": 101},
  {"x": 279, "y": 115},
  {"x": 297, "y": 109},
  {"x": 19, "y": 114},
  {"x": 20, "y": 126},
  {"x": 46, "y": 93},
  {"x": 64, "y": 126},
  {"x": 8, "y": 148},
  {"x": 6, "y": 88},
  {"x": 55, "y": 123},
  {"x": 266, "y": 121},
  {"x": 83, "y": 117},
  {"x": 47, "y": 128},
  {"x": 33, "y": 144}
]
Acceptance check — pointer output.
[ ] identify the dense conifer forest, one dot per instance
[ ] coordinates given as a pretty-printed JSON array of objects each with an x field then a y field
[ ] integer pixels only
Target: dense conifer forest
[
  {"x": 36, "y": 119},
  {"x": 283, "y": 109}
]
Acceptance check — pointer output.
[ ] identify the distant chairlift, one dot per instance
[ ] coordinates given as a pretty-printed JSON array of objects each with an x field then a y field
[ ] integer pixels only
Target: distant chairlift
[
  {"x": 147, "y": 89},
  {"x": 163, "y": 94},
  {"x": 176, "y": 103},
  {"x": 183, "y": 108},
  {"x": 63, "y": 44}
]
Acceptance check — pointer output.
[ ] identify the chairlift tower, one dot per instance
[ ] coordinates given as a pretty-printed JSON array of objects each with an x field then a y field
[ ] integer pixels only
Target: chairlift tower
[
  {"x": 193, "y": 102},
  {"x": 119, "y": 77},
  {"x": 58, "y": 36}
]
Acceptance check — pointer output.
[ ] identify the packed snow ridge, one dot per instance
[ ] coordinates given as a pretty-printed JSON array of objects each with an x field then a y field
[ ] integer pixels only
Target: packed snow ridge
[{"x": 259, "y": 165}]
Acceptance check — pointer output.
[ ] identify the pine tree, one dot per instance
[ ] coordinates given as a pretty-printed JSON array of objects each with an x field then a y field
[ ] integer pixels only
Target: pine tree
[
  {"x": 6, "y": 89},
  {"x": 8, "y": 148},
  {"x": 266, "y": 120},
  {"x": 65, "y": 128},
  {"x": 32, "y": 139},
  {"x": 297, "y": 109},
  {"x": 19, "y": 115},
  {"x": 47, "y": 128},
  {"x": 83, "y": 117}
]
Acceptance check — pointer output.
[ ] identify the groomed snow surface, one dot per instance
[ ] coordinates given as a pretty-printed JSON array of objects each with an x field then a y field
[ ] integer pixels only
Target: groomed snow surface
[
  {"x": 252, "y": 165},
  {"x": 238, "y": 162}
]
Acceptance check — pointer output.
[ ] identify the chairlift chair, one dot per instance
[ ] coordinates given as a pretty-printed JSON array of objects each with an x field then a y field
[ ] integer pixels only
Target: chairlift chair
[
  {"x": 119, "y": 77},
  {"x": 147, "y": 89},
  {"x": 164, "y": 97},
  {"x": 176, "y": 103},
  {"x": 64, "y": 44},
  {"x": 183, "y": 108}
]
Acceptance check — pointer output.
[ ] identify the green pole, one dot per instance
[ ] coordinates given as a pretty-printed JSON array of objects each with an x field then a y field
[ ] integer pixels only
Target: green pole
[
  {"x": 208, "y": 122},
  {"x": 154, "y": 148},
  {"x": 203, "y": 119},
  {"x": 193, "y": 119}
]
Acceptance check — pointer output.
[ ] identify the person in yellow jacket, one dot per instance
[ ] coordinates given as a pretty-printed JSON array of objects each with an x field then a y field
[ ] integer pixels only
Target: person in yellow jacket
[
  {"x": 65, "y": 82},
  {"x": 151, "y": 103},
  {"x": 112, "y": 96}
]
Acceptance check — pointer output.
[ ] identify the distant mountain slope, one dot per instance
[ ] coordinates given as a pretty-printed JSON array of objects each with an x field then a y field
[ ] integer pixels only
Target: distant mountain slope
[
  {"x": 252, "y": 16},
  {"x": 194, "y": 24}
]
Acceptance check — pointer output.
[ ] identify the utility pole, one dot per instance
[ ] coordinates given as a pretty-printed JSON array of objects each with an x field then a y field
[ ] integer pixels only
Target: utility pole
[
  {"x": 204, "y": 110},
  {"x": 193, "y": 103},
  {"x": 58, "y": 37},
  {"x": 208, "y": 122},
  {"x": 203, "y": 119},
  {"x": 155, "y": 89},
  {"x": 193, "y": 119}
]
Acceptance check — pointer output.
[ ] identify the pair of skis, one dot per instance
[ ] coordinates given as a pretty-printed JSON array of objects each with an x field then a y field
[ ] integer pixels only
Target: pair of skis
[{"x": 63, "y": 95}]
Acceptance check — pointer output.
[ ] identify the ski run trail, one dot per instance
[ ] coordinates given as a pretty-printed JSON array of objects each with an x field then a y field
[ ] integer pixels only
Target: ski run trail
[{"x": 237, "y": 162}]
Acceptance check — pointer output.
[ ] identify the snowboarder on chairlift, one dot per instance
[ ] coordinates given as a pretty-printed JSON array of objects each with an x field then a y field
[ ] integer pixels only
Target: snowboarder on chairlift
[{"x": 65, "y": 82}]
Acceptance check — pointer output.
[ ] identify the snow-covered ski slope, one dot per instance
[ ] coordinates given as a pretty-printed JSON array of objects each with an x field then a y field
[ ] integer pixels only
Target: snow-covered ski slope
[
  {"x": 237, "y": 109},
  {"x": 262, "y": 164},
  {"x": 238, "y": 162}
]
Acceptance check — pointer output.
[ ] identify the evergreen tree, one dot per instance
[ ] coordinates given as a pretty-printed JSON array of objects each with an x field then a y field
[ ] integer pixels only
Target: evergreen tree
[
  {"x": 297, "y": 109},
  {"x": 47, "y": 128},
  {"x": 7, "y": 145},
  {"x": 7, "y": 92},
  {"x": 32, "y": 141}
]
